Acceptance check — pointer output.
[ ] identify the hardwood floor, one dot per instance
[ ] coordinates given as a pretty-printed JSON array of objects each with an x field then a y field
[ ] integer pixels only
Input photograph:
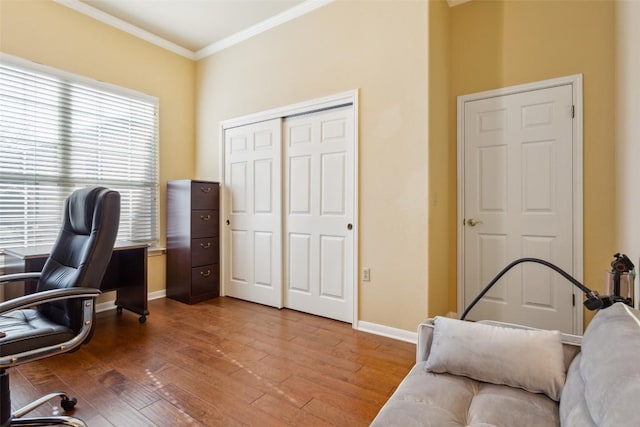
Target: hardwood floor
[{"x": 223, "y": 362}]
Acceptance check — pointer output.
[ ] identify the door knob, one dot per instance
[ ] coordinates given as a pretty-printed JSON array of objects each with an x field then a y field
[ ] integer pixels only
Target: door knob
[
  {"x": 473, "y": 222},
  {"x": 349, "y": 226},
  {"x": 228, "y": 222}
]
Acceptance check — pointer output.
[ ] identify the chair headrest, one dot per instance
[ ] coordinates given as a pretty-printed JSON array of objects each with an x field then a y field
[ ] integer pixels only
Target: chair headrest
[{"x": 81, "y": 206}]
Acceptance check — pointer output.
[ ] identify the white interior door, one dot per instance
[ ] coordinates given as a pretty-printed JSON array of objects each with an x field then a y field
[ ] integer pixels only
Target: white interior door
[
  {"x": 319, "y": 206},
  {"x": 518, "y": 202},
  {"x": 253, "y": 169}
]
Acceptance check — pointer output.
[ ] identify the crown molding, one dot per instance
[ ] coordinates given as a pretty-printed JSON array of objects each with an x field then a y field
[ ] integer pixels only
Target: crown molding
[
  {"x": 276, "y": 20},
  {"x": 453, "y": 3},
  {"x": 279, "y": 19},
  {"x": 105, "y": 18}
]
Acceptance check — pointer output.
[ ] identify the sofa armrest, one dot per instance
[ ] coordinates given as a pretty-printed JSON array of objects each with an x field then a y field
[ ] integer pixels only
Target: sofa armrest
[{"x": 425, "y": 336}]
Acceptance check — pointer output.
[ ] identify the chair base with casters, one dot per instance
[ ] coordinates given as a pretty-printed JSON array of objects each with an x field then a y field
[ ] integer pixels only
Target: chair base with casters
[
  {"x": 15, "y": 419},
  {"x": 86, "y": 296}
]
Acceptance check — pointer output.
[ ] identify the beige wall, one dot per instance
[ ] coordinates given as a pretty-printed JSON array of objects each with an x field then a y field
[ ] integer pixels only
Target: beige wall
[
  {"x": 627, "y": 136},
  {"x": 440, "y": 153},
  {"x": 379, "y": 48},
  {"x": 504, "y": 43},
  {"x": 45, "y": 32},
  {"x": 392, "y": 52}
]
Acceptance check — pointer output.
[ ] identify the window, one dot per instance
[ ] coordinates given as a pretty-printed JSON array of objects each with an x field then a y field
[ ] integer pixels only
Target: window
[{"x": 60, "y": 132}]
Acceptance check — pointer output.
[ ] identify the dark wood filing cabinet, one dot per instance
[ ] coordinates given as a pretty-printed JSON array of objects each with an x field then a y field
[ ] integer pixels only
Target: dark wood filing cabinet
[{"x": 193, "y": 269}]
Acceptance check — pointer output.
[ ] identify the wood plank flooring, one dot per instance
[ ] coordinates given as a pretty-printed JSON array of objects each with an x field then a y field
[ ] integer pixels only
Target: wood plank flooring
[{"x": 223, "y": 362}]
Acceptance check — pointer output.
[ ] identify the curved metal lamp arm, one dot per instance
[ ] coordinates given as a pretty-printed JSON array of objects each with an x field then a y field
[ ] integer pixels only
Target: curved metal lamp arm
[{"x": 593, "y": 301}]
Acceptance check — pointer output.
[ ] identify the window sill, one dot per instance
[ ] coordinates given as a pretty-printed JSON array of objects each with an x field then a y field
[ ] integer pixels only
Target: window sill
[{"x": 156, "y": 251}]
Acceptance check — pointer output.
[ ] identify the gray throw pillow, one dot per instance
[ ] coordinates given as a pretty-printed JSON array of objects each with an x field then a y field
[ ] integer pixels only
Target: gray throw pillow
[{"x": 524, "y": 358}]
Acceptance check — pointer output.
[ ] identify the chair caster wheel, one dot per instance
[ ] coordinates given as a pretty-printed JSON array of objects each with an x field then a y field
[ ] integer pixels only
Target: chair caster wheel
[
  {"x": 119, "y": 310},
  {"x": 68, "y": 403},
  {"x": 142, "y": 319}
]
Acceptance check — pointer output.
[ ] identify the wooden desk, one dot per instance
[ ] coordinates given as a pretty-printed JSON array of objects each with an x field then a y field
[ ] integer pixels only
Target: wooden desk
[{"x": 126, "y": 274}]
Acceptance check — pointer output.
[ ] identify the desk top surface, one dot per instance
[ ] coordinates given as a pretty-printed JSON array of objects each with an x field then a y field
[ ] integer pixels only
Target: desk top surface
[{"x": 43, "y": 250}]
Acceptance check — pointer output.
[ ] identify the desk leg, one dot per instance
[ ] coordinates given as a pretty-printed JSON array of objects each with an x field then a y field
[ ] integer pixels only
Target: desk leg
[
  {"x": 130, "y": 298},
  {"x": 128, "y": 276}
]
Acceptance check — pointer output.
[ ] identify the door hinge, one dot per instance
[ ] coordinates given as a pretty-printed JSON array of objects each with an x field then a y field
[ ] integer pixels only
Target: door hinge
[
  {"x": 573, "y": 111},
  {"x": 573, "y": 299}
]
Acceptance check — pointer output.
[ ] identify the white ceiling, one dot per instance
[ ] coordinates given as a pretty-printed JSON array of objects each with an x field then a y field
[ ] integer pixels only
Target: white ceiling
[
  {"x": 197, "y": 28},
  {"x": 194, "y": 28}
]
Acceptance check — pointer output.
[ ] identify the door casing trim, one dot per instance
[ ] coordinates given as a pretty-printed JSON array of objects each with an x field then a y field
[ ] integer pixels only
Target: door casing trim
[{"x": 578, "y": 249}]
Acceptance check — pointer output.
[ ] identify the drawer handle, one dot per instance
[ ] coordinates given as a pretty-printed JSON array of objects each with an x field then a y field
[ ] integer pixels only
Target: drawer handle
[
  {"x": 205, "y": 245},
  {"x": 205, "y": 189},
  {"x": 205, "y": 274},
  {"x": 205, "y": 217}
]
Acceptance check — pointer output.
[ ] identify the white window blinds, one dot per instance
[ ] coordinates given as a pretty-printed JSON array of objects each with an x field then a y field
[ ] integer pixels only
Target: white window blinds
[{"x": 60, "y": 132}]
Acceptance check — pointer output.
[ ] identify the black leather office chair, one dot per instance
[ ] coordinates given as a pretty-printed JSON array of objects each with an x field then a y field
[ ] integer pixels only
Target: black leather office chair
[{"x": 58, "y": 317}]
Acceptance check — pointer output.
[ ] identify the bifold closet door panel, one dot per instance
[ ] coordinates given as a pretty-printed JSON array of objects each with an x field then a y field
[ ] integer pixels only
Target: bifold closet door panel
[
  {"x": 253, "y": 212},
  {"x": 319, "y": 207}
]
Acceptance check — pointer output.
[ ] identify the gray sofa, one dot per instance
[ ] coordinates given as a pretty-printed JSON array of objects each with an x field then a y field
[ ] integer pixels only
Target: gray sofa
[{"x": 491, "y": 374}]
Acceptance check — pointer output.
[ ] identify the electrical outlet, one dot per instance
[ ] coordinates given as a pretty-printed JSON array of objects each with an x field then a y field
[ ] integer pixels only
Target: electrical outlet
[{"x": 366, "y": 274}]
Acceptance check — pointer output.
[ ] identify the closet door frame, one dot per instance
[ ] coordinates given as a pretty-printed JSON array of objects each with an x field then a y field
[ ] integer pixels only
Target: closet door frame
[{"x": 306, "y": 107}]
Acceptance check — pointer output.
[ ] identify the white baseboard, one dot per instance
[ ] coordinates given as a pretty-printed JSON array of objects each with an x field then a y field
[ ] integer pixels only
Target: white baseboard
[
  {"x": 157, "y": 294},
  {"x": 110, "y": 305},
  {"x": 395, "y": 333},
  {"x": 387, "y": 331}
]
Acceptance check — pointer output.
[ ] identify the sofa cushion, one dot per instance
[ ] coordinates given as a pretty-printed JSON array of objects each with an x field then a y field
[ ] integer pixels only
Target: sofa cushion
[
  {"x": 437, "y": 400},
  {"x": 609, "y": 369},
  {"x": 573, "y": 406},
  {"x": 529, "y": 359}
]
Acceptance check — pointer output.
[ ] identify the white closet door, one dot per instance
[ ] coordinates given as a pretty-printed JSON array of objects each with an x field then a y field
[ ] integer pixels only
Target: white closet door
[
  {"x": 319, "y": 207},
  {"x": 253, "y": 171}
]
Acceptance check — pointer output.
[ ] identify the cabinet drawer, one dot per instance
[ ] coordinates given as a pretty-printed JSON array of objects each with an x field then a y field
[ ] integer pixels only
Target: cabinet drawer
[
  {"x": 205, "y": 280},
  {"x": 204, "y": 251},
  {"x": 204, "y": 223},
  {"x": 204, "y": 195}
]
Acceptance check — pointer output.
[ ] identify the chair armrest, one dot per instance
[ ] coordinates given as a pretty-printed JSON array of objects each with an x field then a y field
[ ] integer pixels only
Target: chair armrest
[
  {"x": 88, "y": 309},
  {"x": 8, "y": 278},
  {"x": 38, "y": 298}
]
